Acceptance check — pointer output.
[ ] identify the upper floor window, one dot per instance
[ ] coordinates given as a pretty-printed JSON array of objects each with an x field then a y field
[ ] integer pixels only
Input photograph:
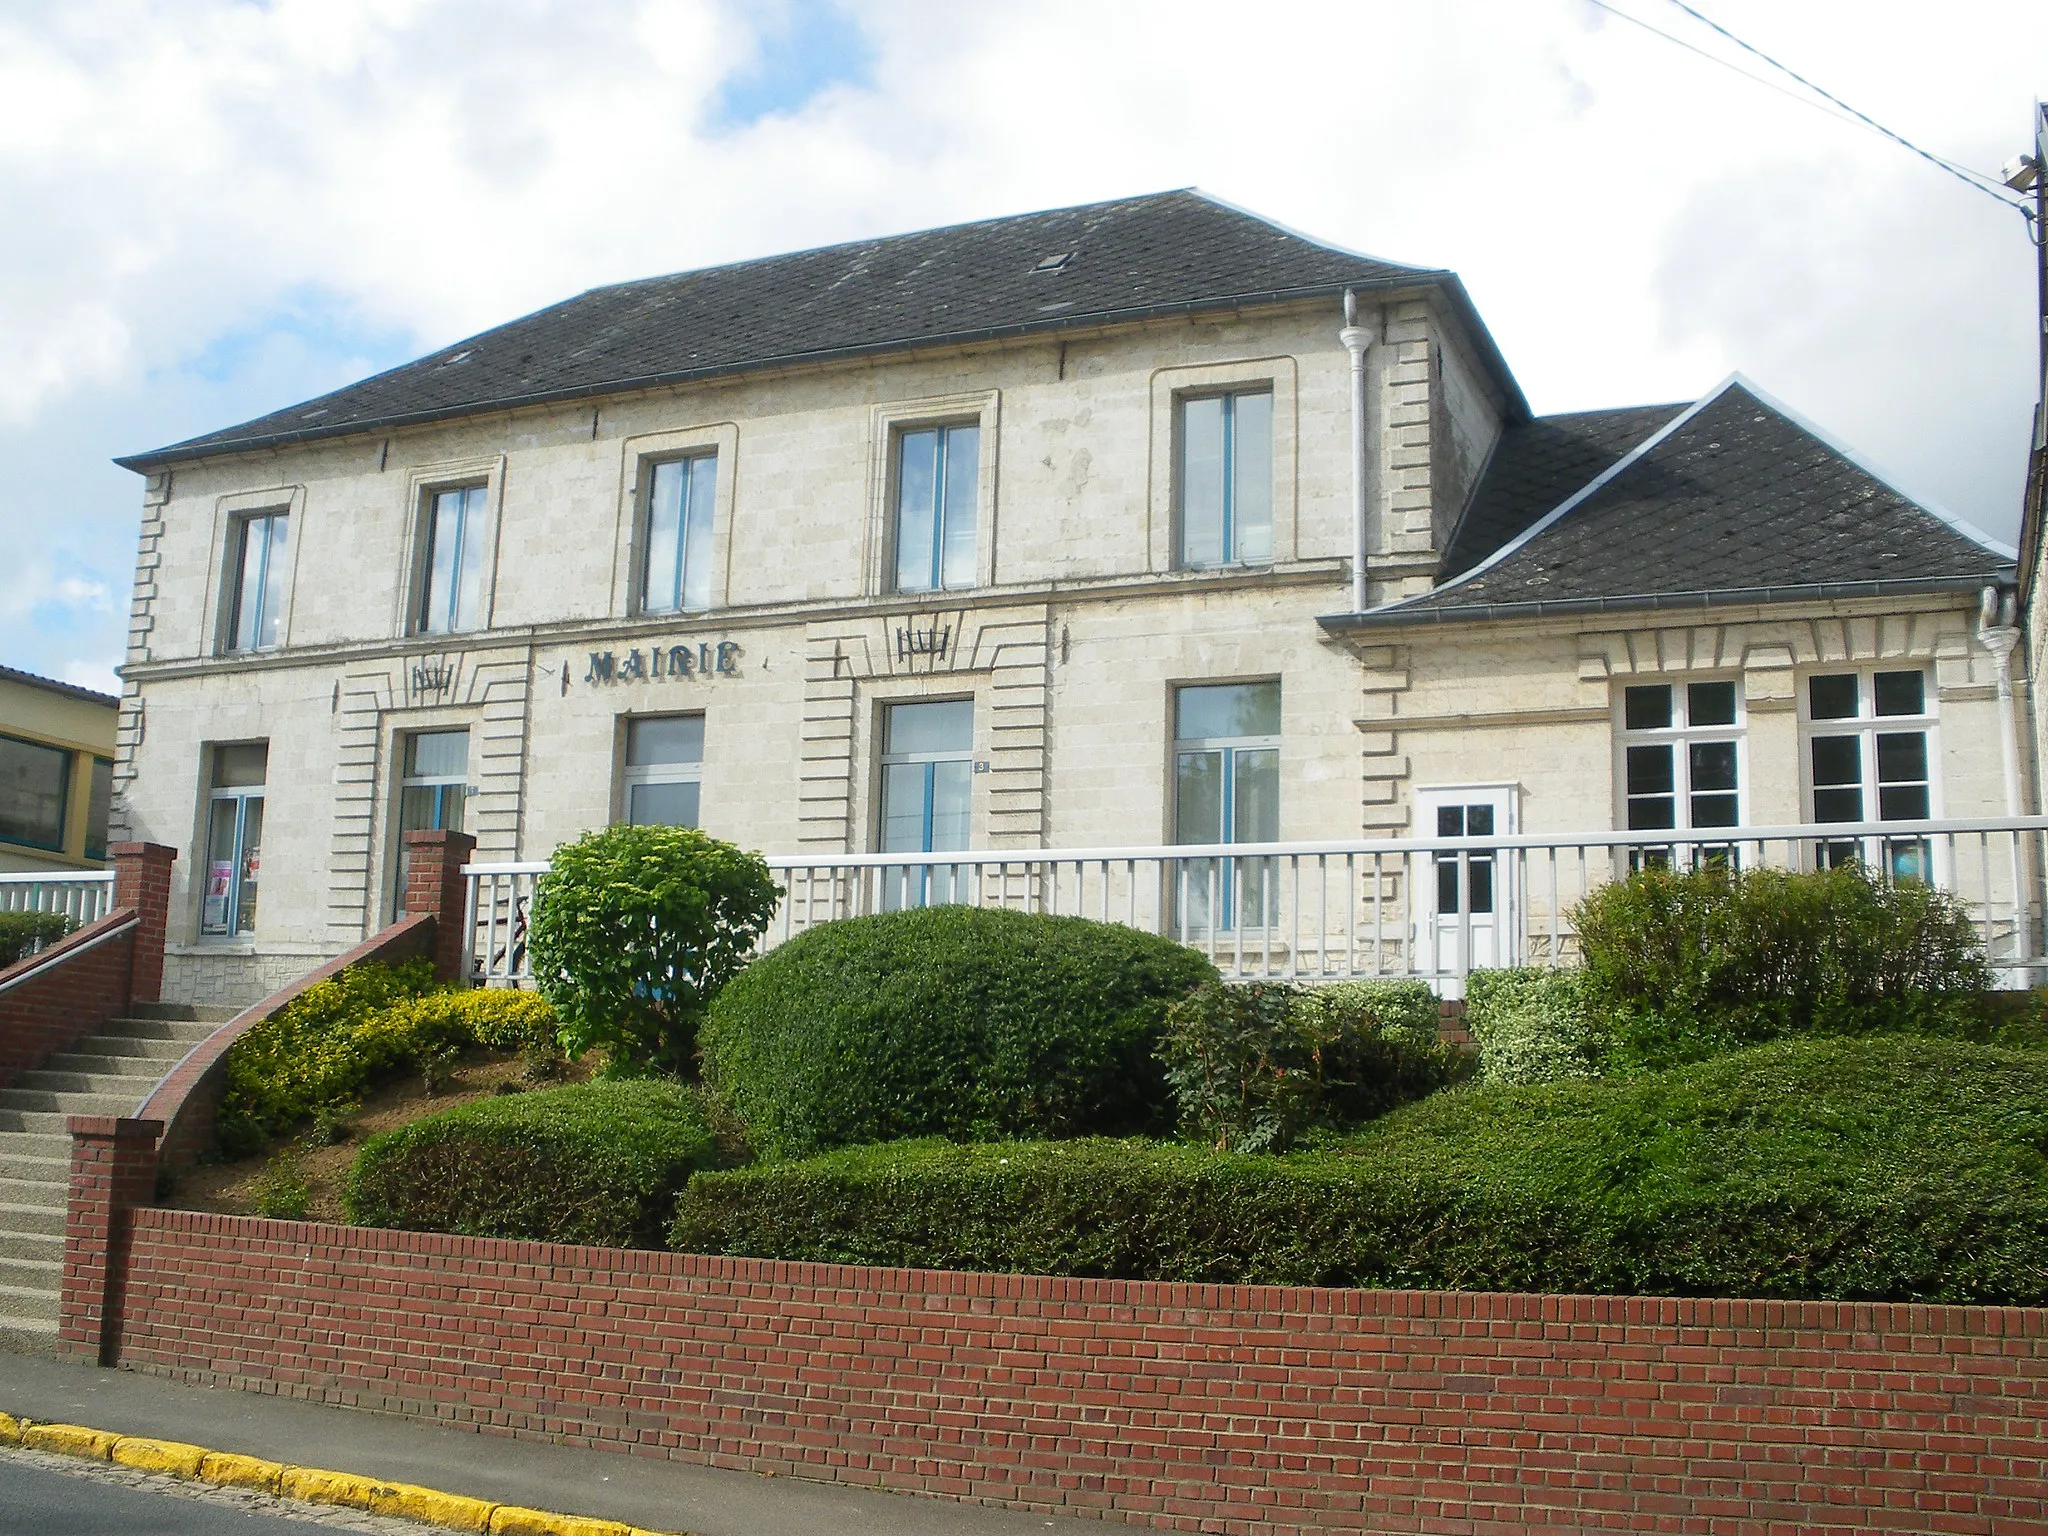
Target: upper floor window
[
  {"x": 664, "y": 771},
  {"x": 1682, "y": 755},
  {"x": 937, "y": 502},
  {"x": 681, "y": 495},
  {"x": 452, "y": 582},
  {"x": 262, "y": 548},
  {"x": 35, "y": 783},
  {"x": 1225, "y": 478},
  {"x": 1868, "y": 759}
]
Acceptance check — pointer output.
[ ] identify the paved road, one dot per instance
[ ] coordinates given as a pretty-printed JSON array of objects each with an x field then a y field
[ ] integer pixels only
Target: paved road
[{"x": 37, "y": 1502}]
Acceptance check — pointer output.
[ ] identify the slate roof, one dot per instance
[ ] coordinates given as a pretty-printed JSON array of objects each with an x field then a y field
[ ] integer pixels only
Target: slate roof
[
  {"x": 1735, "y": 499},
  {"x": 1167, "y": 253}
]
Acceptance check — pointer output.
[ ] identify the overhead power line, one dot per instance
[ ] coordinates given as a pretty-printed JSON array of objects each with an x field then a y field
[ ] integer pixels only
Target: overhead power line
[{"x": 1975, "y": 180}]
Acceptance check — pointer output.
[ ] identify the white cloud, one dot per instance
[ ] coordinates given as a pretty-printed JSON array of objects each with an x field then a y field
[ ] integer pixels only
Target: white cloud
[{"x": 216, "y": 208}]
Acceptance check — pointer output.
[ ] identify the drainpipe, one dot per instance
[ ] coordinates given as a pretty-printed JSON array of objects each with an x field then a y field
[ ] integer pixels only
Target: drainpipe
[
  {"x": 1998, "y": 632},
  {"x": 1356, "y": 339}
]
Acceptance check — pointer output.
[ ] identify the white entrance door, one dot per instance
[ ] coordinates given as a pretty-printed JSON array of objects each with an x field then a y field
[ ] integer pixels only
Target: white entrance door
[{"x": 1464, "y": 899}]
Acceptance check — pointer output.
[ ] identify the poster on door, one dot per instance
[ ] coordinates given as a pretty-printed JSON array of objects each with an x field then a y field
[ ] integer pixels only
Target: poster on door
[{"x": 219, "y": 878}]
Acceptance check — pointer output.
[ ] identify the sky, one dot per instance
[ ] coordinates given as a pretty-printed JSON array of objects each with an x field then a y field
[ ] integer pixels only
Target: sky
[{"x": 216, "y": 208}]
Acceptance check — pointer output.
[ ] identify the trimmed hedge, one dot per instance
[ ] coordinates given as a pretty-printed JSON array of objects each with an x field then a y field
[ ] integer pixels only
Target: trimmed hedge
[
  {"x": 344, "y": 1035},
  {"x": 1532, "y": 1025},
  {"x": 951, "y": 1021},
  {"x": 598, "y": 1163},
  {"x": 1894, "y": 1168},
  {"x": 23, "y": 933}
]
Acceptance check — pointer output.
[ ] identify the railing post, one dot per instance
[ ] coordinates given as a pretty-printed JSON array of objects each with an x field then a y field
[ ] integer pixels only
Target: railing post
[
  {"x": 142, "y": 880},
  {"x": 113, "y": 1170},
  {"x": 436, "y": 887}
]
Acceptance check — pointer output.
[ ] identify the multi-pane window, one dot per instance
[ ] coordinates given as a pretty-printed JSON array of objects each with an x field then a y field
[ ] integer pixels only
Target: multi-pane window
[
  {"x": 452, "y": 564},
  {"x": 1868, "y": 759},
  {"x": 261, "y": 561},
  {"x": 431, "y": 791},
  {"x": 1464, "y": 882},
  {"x": 1681, "y": 756},
  {"x": 35, "y": 781},
  {"x": 927, "y": 766},
  {"x": 937, "y": 501},
  {"x": 234, "y": 838},
  {"x": 664, "y": 770},
  {"x": 1225, "y": 478},
  {"x": 681, "y": 494},
  {"x": 1226, "y": 789}
]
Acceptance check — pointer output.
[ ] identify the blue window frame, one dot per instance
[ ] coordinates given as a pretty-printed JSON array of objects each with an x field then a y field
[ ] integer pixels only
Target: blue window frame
[
  {"x": 681, "y": 497},
  {"x": 263, "y": 547},
  {"x": 1226, "y": 790},
  {"x": 432, "y": 792},
  {"x": 1225, "y": 479},
  {"x": 452, "y": 588},
  {"x": 927, "y": 768},
  {"x": 938, "y": 473}
]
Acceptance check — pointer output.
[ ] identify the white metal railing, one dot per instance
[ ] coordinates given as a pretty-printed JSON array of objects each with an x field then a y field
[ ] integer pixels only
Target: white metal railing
[
  {"x": 84, "y": 897},
  {"x": 1434, "y": 908}
]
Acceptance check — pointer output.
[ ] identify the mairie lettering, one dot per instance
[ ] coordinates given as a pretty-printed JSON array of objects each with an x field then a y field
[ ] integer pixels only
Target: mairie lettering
[{"x": 705, "y": 658}]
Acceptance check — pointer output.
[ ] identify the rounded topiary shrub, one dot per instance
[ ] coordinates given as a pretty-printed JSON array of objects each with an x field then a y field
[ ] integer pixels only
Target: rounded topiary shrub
[
  {"x": 948, "y": 1021},
  {"x": 598, "y": 1163}
]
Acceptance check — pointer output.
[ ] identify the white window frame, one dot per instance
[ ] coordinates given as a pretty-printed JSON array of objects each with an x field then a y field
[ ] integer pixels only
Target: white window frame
[
  {"x": 886, "y": 425},
  {"x": 1679, "y": 738},
  {"x": 1253, "y": 909},
  {"x": 272, "y": 595},
  {"x": 238, "y": 797},
  {"x": 690, "y": 511},
  {"x": 949, "y": 464},
  {"x": 1867, "y": 725},
  {"x": 1244, "y": 376},
  {"x": 422, "y": 485},
  {"x": 657, "y": 773},
  {"x": 230, "y": 512},
  {"x": 1233, "y": 556}
]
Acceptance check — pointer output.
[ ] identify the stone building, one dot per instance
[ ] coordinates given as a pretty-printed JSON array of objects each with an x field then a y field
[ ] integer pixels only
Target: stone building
[{"x": 1141, "y": 523}]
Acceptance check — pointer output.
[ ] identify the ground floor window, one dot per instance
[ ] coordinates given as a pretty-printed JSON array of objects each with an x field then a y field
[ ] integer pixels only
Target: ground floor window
[
  {"x": 431, "y": 793},
  {"x": 1681, "y": 748},
  {"x": 1226, "y": 789},
  {"x": 234, "y": 838},
  {"x": 1868, "y": 745},
  {"x": 34, "y": 793},
  {"x": 664, "y": 771},
  {"x": 927, "y": 766}
]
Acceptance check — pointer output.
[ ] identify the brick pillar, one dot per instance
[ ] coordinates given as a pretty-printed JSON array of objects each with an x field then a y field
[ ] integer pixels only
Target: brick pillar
[
  {"x": 113, "y": 1170},
  {"x": 142, "y": 880},
  {"x": 434, "y": 885}
]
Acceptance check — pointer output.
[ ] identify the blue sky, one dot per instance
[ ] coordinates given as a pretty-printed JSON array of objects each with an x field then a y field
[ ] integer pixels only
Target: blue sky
[{"x": 217, "y": 209}]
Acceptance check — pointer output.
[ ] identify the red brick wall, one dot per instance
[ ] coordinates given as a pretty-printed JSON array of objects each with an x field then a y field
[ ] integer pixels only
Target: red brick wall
[
  {"x": 1216, "y": 1408},
  {"x": 113, "y": 1170},
  {"x": 72, "y": 988}
]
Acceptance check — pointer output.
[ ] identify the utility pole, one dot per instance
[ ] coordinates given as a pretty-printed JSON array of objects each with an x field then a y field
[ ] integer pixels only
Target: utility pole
[{"x": 2022, "y": 174}]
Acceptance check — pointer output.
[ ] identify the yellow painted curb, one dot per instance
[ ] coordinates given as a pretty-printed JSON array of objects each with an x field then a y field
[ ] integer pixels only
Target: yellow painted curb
[
  {"x": 167, "y": 1456},
  {"x": 511, "y": 1520},
  {"x": 69, "y": 1440},
  {"x": 232, "y": 1471},
  {"x": 310, "y": 1485}
]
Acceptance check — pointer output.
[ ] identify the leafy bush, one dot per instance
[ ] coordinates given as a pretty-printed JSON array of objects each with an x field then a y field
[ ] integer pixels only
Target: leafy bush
[
  {"x": 1532, "y": 1025},
  {"x": 1680, "y": 967},
  {"x": 597, "y": 1163},
  {"x": 634, "y": 931},
  {"x": 1253, "y": 1065},
  {"x": 23, "y": 933},
  {"x": 948, "y": 1021},
  {"x": 281, "y": 1191},
  {"x": 1889, "y": 1168},
  {"x": 344, "y": 1035}
]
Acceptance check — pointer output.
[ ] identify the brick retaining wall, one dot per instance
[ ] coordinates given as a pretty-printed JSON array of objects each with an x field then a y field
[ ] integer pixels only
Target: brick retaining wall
[
  {"x": 59, "y": 995},
  {"x": 1218, "y": 1408}
]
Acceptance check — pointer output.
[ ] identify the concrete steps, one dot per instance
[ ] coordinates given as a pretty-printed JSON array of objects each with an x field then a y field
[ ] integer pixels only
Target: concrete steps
[{"x": 110, "y": 1073}]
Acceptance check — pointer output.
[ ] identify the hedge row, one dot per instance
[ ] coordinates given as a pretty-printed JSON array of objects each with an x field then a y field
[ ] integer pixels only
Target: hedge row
[
  {"x": 1893, "y": 1168},
  {"x": 23, "y": 933}
]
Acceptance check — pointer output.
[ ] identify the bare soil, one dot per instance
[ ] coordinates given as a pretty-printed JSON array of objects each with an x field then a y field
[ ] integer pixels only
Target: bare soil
[{"x": 231, "y": 1189}]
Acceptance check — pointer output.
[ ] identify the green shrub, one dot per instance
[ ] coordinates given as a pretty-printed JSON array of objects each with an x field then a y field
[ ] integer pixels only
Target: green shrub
[
  {"x": 1253, "y": 1065},
  {"x": 1680, "y": 967},
  {"x": 598, "y": 1163},
  {"x": 1888, "y": 1168},
  {"x": 634, "y": 931},
  {"x": 1532, "y": 1025},
  {"x": 947, "y": 1021},
  {"x": 23, "y": 933},
  {"x": 281, "y": 1191},
  {"x": 342, "y": 1036}
]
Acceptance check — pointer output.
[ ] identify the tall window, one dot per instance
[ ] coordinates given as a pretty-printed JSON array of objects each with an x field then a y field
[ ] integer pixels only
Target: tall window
[
  {"x": 1226, "y": 789},
  {"x": 1867, "y": 752},
  {"x": 452, "y": 585},
  {"x": 681, "y": 494},
  {"x": 664, "y": 770},
  {"x": 99, "y": 808},
  {"x": 1226, "y": 479},
  {"x": 234, "y": 839},
  {"x": 263, "y": 545},
  {"x": 937, "y": 499},
  {"x": 1681, "y": 758},
  {"x": 35, "y": 781},
  {"x": 927, "y": 765},
  {"x": 435, "y": 770}
]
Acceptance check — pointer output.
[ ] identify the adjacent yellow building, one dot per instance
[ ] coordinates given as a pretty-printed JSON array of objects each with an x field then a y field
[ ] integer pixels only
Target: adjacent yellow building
[{"x": 56, "y": 773}]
